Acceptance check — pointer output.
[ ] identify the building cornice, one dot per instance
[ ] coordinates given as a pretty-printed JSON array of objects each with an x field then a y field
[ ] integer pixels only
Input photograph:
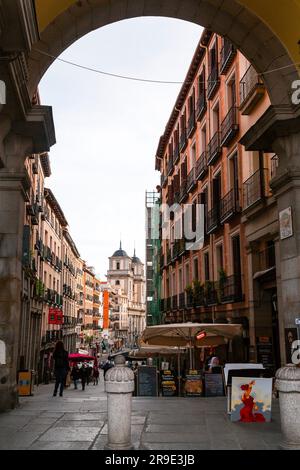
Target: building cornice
[
  {"x": 50, "y": 198},
  {"x": 185, "y": 89}
]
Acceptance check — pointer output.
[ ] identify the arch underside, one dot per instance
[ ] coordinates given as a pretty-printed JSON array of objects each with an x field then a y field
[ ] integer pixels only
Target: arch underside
[{"x": 229, "y": 18}]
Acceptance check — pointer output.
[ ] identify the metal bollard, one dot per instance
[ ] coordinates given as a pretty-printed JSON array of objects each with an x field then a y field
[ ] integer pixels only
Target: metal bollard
[
  {"x": 119, "y": 385},
  {"x": 288, "y": 385}
]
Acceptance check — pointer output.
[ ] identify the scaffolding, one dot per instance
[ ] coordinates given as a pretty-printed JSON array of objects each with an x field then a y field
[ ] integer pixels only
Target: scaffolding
[{"x": 153, "y": 249}]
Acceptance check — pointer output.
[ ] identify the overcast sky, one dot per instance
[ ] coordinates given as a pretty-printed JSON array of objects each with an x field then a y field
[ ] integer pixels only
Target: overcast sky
[{"x": 108, "y": 129}]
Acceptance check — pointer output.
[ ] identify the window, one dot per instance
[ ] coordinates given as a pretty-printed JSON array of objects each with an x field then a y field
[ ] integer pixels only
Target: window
[
  {"x": 203, "y": 140},
  {"x": 215, "y": 119},
  {"x": 206, "y": 267},
  {"x": 196, "y": 269},
  {"x": 118, "y": 266},
  {"x": 236, "y": 255},
  {"x": 117, "y": 283},
  {"x": 180, "y": 285},
  {"x": 187, "y": 275},
  {"x": 193, "y": 156},
  {"x": 219, "y": 259},
  {"x": 231, "y": 92}
]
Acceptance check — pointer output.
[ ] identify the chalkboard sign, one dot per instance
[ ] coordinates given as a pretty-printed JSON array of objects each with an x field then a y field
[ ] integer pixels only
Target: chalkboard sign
[
  {"x": 214, "y": 385},
  {"x": 193, "y": 384},
  {"x": 265, "y": 352},
  {"x": 147, "y": 381}
]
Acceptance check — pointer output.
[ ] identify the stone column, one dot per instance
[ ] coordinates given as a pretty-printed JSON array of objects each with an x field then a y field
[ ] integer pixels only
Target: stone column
[
  {"x": 286, "y": 188},
  {"x": 12, "y": 187},
  {"x": 119, "y": 385},
  {"x": 288, "y": 385}
]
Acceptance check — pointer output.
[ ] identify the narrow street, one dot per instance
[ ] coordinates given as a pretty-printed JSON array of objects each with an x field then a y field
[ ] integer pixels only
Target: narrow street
[{"x": 78, "y": 422}]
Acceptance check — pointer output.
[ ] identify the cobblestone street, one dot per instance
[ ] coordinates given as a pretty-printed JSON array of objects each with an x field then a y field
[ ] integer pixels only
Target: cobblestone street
[{"x": 79, "y": 421}]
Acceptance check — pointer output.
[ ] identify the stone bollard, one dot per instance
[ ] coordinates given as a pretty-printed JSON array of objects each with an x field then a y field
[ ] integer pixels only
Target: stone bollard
[
  {"x": 119, "y": 385},
  {"x": 288, "y": 385}
]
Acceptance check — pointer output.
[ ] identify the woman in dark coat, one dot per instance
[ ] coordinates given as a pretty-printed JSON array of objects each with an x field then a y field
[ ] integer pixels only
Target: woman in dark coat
[{"x": 61, "y": 367}]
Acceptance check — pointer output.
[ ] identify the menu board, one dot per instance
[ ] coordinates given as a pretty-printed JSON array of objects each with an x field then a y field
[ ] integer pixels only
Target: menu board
[
  {"x": 193, "y": 384},
  {"x": 168, "y": 384},
  {"x": 265, "y": 352},
  {"x": 147, "y": 381},
  {"x": 214, "y": 385}
]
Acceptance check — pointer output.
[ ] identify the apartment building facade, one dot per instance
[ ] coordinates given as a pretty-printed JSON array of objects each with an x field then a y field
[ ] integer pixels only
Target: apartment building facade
[{"x": 202, "y": 162}]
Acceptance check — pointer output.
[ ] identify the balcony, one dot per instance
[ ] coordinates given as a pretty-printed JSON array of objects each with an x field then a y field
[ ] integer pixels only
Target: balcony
[
  {"x": 163, "y": 180},
  {"x": 181, "y": 301},
  {"x": 174, "y": 302},
  {"x": 229, "y": 206},
  {"x": 191, "y": 181},
  {"x": 191, "y": 125},
  {"x": 201, "y": 106},
  {"x": 213, "y": 220},
  {"x": 183, "y": 141},
  {"x": 228, "y": 53},
  {"x": 201, "y": 166},
  {"x": 168, "y": 304},
  {"x": 214, "y": 149},
  {"x": 211, "y": 294},
  {"x": 183, "y": 191},
  {"x": 170, "y": 165},
  {"x": 176, "y": 154},
  {"x": 231, "y": 289},
  {"x": 229, "y": 127},
  {"x": 254, "y": 188},
  {"x": 190, "y": 300},
  {"x": 213, "y": 82},
  {"x": 252, "y": 89},
  {"x": 178, "y": 249}
]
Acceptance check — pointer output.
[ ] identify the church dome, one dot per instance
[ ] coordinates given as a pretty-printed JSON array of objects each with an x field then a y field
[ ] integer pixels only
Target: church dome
[
  {"x": 120, "y": 253},
  {"x": 135, "y": 259}
]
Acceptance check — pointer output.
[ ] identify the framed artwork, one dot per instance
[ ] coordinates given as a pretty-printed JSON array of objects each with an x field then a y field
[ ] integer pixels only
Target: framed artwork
[{"x": 251, "y": 400}]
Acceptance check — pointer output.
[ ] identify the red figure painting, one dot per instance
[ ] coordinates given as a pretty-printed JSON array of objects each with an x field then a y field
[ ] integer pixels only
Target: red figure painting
[{"x": 247, "y": 413}]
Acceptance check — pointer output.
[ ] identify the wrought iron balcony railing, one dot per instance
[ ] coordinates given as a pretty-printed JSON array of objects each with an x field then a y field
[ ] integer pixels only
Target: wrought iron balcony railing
[
  {"x": 191, "y": 182},
  {"x": 228, "y": 53},
  {"x": 213, "y": 82},
  {"x": 252, "y": 89},
  {"x": 191, "y": 124},
  {"x": 231, "y": 289},
  {"x": 201, "y": 106},
  {"x": 229, "y": 206},
  {"x": 254, "y": 189},
  {"x": 201, "y": 166},
  {"x": 213, "y": 219},
  {"x": 214, "y": 149},
  {"x": 229, "y": 127}
]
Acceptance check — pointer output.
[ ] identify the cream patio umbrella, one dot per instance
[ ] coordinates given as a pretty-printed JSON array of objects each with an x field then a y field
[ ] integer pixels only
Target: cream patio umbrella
[{"x": 184, "y": 335}]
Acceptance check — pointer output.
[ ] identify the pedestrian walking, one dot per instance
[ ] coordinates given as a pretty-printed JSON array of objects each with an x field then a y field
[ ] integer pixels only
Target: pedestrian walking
[
  {"x": 61, "y": 367},
  {"x": 108, "y": 365},
  {"x": 96, "y": 375},
  {"x": 75, "y": 375},
  {"x": 82, "y": 376}
]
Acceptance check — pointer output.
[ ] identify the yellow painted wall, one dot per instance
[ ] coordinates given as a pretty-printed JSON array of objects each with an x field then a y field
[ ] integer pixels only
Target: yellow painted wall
[{"x": 282, "y": 16}]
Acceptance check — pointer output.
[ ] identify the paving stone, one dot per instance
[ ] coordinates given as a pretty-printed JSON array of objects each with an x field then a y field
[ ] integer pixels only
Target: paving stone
[
  {"x": 205, "y": 445},
  {"x": 173, "y": 418},
  {"x": 173, "y": 437},
  {"x": 79, "y": 423},
  {"x": 135, "y": 429},
  {"x": 39, "y": 428},
  {"x": 19, "y": 441},
  {"x": 60, "y": 445},
  {"x": 84, "y": 417},
  {"x": 70, "y": 434},
  {"x": 168, "y": 428}
]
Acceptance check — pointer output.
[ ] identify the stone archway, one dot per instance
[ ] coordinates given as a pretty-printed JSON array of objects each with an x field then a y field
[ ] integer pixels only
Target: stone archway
[
  {"x": 232, "y": 19},
  {"x": 27, "y": 128}
]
